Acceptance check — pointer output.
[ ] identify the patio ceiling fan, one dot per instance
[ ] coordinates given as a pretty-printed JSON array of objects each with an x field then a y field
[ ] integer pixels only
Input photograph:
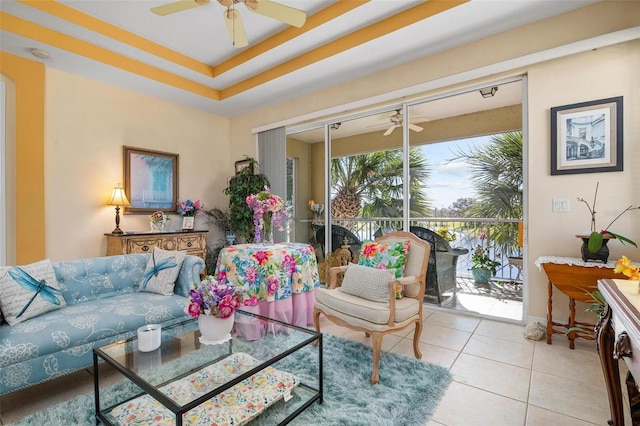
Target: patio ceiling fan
[
  {"x": 396, "y": 121},
  {"x": 235, "y": 27}
]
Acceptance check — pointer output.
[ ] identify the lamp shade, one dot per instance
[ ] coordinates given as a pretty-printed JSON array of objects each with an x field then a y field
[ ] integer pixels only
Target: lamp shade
[{"x": 118, "y": 198}]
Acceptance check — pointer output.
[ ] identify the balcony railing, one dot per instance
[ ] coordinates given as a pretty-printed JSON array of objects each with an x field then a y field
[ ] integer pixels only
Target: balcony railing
[{"x": 498, "y": 236}]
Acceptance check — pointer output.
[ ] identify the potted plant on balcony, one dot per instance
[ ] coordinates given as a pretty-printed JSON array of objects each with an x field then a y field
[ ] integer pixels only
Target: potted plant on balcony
[{"x": 483, "y": 266}]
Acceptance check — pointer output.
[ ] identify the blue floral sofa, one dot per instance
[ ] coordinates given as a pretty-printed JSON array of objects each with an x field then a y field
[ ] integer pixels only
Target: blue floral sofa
[{"x": 104, "y": 305}]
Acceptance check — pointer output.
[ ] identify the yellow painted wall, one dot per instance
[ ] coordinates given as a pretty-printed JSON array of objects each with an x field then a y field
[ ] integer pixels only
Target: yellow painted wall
[
  {"x": 606, "y": 72},
  {"x": 29, "y": 186},
  {"x": 87, "y": 124}
]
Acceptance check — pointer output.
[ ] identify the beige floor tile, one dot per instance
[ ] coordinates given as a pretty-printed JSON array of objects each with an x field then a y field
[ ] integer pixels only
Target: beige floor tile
[
  {"x": 444, "y": 337},
  {"x": 502, "y": 330},
  {"x": 581, "y": 364},
  {"x": 16, "y": 405},
  {"x": 509, "y": 309},
  {"x": 537, "y": 416},
  {"x": 454, "y": 321},
  {"x": 569, "y": 397},
  {"x": 433, "y": 423},
  {"x": 497, "y": 377},
  {"x": 464, "y": 405},
  {"x": 507, "y": 351},
  {"x": 430, "y": 353}
]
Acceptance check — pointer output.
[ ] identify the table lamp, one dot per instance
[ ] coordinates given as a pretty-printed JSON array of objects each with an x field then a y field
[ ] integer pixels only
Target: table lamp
[{"x": 118, "y": 199}]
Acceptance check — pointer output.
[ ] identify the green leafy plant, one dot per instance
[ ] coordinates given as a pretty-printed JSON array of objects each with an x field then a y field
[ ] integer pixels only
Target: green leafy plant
[
  {"x": 596, "y": 306},
  {"x": 221, "y": 218},
  {"x": 596, "y": 237},
  {"x": 240, "y": 186}
]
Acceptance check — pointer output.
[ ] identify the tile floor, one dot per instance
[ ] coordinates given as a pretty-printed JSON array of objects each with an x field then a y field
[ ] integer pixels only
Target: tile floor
[{"x": 500, "y": 378}]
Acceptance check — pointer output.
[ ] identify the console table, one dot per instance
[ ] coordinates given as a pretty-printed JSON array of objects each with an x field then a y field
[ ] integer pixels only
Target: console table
[
  {"x": 143, "y": 242},
  {"x": 576, "y": 279},
  {"x": 618, "y": 336}
]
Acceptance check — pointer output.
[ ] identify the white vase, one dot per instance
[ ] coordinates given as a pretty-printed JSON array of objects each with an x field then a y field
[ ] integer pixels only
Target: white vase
[{"x": 214, "y": 330}]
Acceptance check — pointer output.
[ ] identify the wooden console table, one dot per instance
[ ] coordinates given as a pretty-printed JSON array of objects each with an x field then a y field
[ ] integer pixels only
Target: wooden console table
[
  {"x": 618, "y": 336},
  {"x": 576, "y": 279},
  {"x": 143, "y": 242}
]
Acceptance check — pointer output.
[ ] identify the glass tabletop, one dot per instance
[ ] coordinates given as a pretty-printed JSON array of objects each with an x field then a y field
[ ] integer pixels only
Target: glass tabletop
[{"x": 181, "y": 357}]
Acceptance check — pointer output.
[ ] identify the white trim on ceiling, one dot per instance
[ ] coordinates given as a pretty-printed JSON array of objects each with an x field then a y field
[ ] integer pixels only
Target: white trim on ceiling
[{"x": 481, "y": 72}]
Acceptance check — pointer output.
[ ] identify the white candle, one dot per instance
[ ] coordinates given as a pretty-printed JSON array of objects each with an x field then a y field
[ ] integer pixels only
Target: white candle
[{"x": 149, "y": 337}]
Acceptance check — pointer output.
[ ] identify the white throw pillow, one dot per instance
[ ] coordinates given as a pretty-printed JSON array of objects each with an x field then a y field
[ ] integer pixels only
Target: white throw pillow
[
  {"x": 19, "y": 285},
  {"x": 162, "y": 271},
  {"x": 367, "y": 282}
]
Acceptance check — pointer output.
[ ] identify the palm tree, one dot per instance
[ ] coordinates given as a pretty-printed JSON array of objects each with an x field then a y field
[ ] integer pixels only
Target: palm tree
[
  {"x": 496, "y": 173},
  {"x": 371, "y": 184}
]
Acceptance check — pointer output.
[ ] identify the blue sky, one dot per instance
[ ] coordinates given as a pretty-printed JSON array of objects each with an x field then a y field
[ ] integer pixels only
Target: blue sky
[{"x": 451, "y": 181}]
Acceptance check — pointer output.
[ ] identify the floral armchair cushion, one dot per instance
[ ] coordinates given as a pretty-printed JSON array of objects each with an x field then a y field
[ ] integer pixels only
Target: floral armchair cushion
[{"x": 385, "y": 255}]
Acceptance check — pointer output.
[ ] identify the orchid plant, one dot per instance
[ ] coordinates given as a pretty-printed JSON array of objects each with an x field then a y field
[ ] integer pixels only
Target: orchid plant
[
  {"x": 596, "y": 237},
  {"x": 268, "y": 209},
  {"x": 624, "y": 267},
  {"x": 216, "y": 298}
]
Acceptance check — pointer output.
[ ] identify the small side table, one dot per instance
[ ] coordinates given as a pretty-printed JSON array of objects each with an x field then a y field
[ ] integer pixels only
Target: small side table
[{"x": 576, "y": 279}]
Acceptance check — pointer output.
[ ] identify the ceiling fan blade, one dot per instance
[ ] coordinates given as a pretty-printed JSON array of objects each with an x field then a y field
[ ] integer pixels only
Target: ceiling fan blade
[
  {"x": 389, "y": 130},
  {"x": 235, "y": 27},
  {"x": 277, "y": 11},
  {"x": 179, "y": 6},
  {"x": 415, "y": 128}
]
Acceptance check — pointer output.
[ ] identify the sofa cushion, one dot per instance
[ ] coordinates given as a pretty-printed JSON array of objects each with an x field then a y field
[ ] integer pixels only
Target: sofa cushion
[
  {"x": 391, "y": 255},
  {"x": 28, "y": 291},
  {"x": 162, "y": 271},
  {"x": 369, "y": 283}
]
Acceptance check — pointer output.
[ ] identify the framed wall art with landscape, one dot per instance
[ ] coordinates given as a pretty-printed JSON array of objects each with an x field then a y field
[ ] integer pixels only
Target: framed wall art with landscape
[
  {"x": 150, "y": 180},
  {"x": 587, "y": 137}
]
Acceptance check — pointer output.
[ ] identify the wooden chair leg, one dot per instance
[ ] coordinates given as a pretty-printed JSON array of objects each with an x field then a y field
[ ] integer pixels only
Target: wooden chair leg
[
  {"x": 316, "y": 322},
  {"x": 416, "y": 340},
  {"x": 376, "y": 345}
]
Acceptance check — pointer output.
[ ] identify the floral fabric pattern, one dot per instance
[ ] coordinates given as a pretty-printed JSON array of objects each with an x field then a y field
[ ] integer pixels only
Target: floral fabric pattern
[
  {"x": 269, "y": 272},
  {"x": 385, "y": 255},
  {"x": 237, "y": 405},
  {"x": 103, "y": 306}
]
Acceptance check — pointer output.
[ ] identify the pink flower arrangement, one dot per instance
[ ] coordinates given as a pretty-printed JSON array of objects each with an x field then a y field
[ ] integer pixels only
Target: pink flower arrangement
[
  {"x": 190, "y": 208},
  {"x": 267, "y": 208},
  {"x": 215, "y": 298}
]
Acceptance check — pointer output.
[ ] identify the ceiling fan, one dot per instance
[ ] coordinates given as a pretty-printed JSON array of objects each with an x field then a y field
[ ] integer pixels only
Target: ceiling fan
[
  {"x": 396, "y": 121},
  {"x": 235, "y": 27}
]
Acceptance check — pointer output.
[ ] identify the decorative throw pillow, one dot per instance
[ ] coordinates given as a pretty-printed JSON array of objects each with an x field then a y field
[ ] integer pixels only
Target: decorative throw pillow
[
  {"x": 162, "y": 271},
  {"x": 368, "y": 283},
  {"x": 385, "y": 255},
  {"x": 28, "y": 291}
]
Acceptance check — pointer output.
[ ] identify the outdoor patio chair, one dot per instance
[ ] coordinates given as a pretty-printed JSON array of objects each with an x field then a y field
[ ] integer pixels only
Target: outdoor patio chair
[
  {"x": 375, "y": 310},
  {"x": 441, "y": 275},
  {"x": 338, "y": 235}
]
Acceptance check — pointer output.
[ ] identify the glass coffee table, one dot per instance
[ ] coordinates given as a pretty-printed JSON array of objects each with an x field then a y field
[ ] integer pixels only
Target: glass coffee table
[{"x": 268, "y": 380}]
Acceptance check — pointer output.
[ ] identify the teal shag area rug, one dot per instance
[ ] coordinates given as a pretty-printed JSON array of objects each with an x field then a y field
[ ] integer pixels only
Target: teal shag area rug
[{"x": 407, "y": 394}]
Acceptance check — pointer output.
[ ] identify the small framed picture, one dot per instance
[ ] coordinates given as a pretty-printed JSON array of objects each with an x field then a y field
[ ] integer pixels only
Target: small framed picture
[
  {"x": 187, "y": 222},
  {"x": 587, "y": 137},
  {"x": 244, "y": 164}
]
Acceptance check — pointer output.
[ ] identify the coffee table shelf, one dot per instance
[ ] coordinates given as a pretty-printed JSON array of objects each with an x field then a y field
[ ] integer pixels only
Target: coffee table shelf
[{"x": 185, "y": 379}]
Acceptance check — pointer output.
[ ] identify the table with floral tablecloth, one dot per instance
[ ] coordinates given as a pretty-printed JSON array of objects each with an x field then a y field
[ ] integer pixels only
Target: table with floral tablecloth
[{"x": 283, "y": 276}]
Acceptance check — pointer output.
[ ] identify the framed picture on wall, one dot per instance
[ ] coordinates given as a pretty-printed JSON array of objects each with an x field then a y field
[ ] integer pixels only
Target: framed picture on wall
[
  {"x": 587, "y": 137},
  {"x": 150, "y": 180},
  {"x": 244, "y": 164}
]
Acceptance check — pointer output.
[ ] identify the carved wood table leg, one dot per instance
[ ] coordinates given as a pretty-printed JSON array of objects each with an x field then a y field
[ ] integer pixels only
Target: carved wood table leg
[
  {"x": 572, "y": 322},
  {"x": 605, "y": 338},
  {"x": 634, "y": 399},
  {"x": 549, "y": 316}
]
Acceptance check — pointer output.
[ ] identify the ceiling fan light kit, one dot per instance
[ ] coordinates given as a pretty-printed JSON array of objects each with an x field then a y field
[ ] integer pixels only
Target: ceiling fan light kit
[
  {"x": 235, "y": 27},
  {"x": 396, "y": 121}
]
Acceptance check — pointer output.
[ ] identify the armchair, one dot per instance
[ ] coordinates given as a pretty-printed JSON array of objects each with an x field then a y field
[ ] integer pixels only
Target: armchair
[
  {"x": 441, "y": 275},
  {"x": 377, "y": 318}
]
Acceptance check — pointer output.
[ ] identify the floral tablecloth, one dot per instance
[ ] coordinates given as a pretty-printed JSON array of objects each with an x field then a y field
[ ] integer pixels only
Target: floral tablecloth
[{"x": 270, "y": 272}]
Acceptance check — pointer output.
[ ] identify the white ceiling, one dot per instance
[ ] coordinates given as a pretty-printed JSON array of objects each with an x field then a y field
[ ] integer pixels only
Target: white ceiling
[{"x": 200, "y": 34}]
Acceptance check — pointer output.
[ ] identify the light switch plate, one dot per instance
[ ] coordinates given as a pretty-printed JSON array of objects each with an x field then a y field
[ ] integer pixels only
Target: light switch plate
[{"x": 560, "y": 205}]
